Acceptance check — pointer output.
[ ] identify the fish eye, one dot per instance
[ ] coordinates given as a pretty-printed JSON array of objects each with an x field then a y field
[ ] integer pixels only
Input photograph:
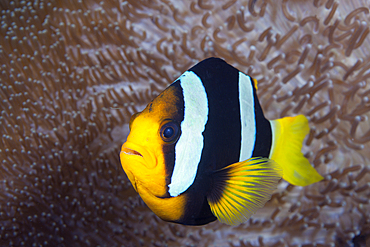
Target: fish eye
[{"x": 170, "y": 132}]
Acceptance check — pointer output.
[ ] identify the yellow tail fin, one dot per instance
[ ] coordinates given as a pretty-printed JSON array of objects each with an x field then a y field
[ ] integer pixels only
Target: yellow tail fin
[{"x": 287, "y": 138}]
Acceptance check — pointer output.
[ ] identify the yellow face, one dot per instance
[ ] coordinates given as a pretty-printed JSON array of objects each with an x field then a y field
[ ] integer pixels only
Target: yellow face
[{"x": 143, "y": 157}]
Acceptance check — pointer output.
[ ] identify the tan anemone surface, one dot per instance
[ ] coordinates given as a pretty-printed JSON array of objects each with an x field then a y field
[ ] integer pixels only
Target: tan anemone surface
[{"x": 73, "y": 72}]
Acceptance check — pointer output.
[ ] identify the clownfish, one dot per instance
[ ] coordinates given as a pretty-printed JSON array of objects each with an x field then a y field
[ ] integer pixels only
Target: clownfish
[{"x": 202, "y": 150}]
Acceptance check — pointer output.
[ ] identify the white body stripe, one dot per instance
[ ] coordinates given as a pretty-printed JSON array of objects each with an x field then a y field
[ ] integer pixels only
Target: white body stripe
[
  {"x": 247, "y": 117},
  {"x": 273, "y": 141},
  {"x": 188, "y": 149}
]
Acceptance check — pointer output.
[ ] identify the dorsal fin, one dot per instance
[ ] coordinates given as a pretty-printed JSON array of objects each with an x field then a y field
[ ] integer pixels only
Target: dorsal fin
[
  {"x": 255, "y": 83},
  {"x": 242, "y": 188}
]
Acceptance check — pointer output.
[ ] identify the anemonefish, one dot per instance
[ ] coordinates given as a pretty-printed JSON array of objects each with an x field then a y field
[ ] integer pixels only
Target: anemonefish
[{"x": 203, "y": 150}]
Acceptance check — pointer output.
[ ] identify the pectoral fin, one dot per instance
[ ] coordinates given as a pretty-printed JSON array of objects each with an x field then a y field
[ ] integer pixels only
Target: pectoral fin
[{"x": 242, "y": 188}]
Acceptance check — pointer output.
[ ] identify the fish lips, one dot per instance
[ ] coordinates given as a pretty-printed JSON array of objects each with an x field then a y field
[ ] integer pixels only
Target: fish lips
[
  {"x": 129, "y": 151},
  {"x": 136, "y": 152}
]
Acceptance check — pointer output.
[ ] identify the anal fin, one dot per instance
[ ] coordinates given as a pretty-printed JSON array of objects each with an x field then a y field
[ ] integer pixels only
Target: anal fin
[{"x": 240, "y": 189}]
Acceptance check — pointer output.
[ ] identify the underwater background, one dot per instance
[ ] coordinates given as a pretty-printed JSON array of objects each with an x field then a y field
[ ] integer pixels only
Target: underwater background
[{"x": 73, "y": 72}]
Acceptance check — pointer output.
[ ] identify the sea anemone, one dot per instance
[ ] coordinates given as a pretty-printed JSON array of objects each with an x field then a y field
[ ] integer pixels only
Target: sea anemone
[{"x": 73, "y": 72}]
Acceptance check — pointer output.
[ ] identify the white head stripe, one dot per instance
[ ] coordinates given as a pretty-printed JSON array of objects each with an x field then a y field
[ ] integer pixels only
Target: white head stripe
[
  {"x": 247, "y": 117},
  {"x": 188, "y": 149}
]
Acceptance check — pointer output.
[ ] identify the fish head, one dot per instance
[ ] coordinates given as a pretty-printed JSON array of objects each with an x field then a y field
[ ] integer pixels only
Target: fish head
[{"x": 148, "y": 155}]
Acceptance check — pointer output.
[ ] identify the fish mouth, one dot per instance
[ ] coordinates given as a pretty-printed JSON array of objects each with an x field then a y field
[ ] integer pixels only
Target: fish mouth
[
  {"x": 138, "y": 153},
  {"x": 130, "y": 151}
]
